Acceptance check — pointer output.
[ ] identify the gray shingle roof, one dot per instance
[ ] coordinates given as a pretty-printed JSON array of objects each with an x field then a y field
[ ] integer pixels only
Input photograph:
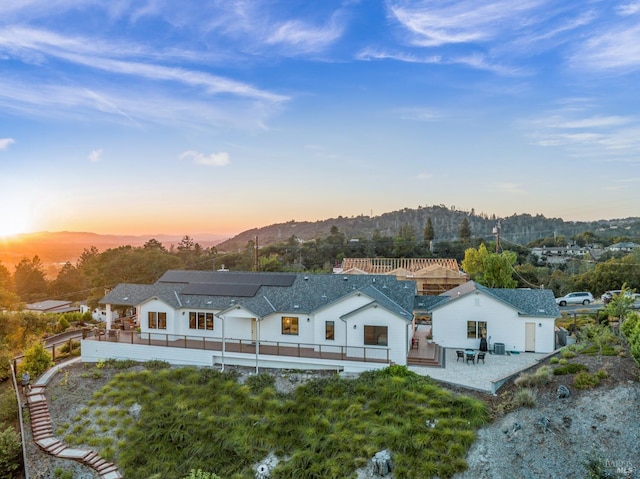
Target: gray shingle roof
[
  {"x": 284, "y": 292},
  {"x": 528, "y": 302}
]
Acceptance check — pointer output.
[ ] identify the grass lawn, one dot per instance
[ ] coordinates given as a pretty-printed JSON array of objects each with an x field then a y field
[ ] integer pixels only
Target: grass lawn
[{"x": 200, "y": 418}]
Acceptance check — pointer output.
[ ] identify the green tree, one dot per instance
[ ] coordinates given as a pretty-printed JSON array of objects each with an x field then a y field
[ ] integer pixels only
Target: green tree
[
  {"x": 465, "y": 231},
  {"x": 29, "y": 278},
  {"x": 404, "y": 245},
  {"x": 154, "y": 244},
  {"x": 631, "y": 330},
  {"x": 599, "y": 335},
  {"x": 429, "y": 233},
  {"x": 37, "y": 359},
  {"x": 620, "y": 305},
  {"x": 494, "y": 270},
  {"x": 70, "y": 283}
]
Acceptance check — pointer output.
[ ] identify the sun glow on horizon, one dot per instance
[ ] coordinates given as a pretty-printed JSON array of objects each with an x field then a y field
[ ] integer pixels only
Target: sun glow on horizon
[{"x": 13, "y": 221}]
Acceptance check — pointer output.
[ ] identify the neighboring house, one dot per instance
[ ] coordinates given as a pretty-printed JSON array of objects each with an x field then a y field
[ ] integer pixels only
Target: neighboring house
[
  {"x": 626, "y": 246},
  {"x": 52, "y": 306},
  {"x": 519, "y": 319},
  {"x": 432, "y": 275},
  {"x": 350, "y": 322},
  {"x": 561, "y": 254}
]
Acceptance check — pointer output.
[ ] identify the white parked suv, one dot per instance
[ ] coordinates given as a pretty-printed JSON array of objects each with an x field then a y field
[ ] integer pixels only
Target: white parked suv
[{"x": 581, "y": 297}]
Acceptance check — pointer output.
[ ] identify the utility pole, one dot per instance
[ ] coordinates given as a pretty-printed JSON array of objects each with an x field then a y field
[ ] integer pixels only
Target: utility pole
[{"x": 255, "y": 256}]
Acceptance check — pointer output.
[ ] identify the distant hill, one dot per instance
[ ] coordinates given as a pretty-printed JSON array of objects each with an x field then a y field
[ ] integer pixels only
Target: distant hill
[
  {"x": 59, "y": 247},
  {"x": 519, "y": 229}
]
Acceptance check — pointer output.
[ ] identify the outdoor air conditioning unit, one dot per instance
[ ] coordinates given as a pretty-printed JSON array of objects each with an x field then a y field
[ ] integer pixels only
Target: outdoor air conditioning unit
[{"x": 498, "y": 348}]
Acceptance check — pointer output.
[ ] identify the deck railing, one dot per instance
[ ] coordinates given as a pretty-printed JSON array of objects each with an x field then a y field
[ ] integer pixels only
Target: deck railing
[{"x": 247, "y": 346}]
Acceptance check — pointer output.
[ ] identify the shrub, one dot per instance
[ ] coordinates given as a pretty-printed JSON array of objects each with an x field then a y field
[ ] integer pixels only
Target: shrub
[
  {"x": 541, "y": 376},
  {"x": 596, "y": 468},
  {"x": 10, "y": 452},
  {"x": 8, "y": 406},
  {"x": 568, "y": 354},
  {"x": 584, "y": 380},
  {"x": 60, "y": 473},
  {"x": 602, "y": 374},
  {"x": 75, "y": 347},
  {"x": 572, "y": 368},
  {"x": 554, "y": 360},
  {"x": 36, "y": 360},
  {"x": 525, "y": 398},
  {"x": 156, "y": 364},
  {"x": 563, "y": 361},
  {"x": 5, "y": 361}
]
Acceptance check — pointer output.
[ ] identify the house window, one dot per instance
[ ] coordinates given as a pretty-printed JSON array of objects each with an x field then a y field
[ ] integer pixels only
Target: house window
[
  {"x": 476, "y": 329},
  {"x": 200, "y": 320},
  {"x": 375, "y": 335},
  {"x": 157, "y": 320},
  {"x": 330, "y": 330},
  {"x": 290, "y": 325}
]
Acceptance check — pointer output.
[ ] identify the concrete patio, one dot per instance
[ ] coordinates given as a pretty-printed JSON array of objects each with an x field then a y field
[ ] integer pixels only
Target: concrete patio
[{"x": 487, "y": 377}]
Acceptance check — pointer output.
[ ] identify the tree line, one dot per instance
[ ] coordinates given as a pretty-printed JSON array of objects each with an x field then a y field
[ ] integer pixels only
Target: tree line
[{"x": 96, "y": 272}]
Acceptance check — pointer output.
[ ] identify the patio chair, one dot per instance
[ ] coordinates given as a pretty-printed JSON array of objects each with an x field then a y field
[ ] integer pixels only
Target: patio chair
[
  {"x": 460, "y": 355},
  {"x": 470, "y": 357},
  {"x": 481, "y": 357}
]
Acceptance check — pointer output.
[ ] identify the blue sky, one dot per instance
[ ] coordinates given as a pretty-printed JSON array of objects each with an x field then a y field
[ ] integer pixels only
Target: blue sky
[{"x": 219, "y": 116}]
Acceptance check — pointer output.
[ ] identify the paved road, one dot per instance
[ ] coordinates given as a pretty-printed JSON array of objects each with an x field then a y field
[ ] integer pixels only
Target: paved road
[{"x": 579, "y": 308}]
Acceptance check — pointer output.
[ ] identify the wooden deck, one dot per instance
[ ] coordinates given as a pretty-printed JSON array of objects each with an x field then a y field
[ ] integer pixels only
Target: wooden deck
[{"x": 299, "y": 350}]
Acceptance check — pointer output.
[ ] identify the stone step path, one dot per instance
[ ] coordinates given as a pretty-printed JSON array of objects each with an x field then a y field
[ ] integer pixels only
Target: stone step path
[{"x": 43, "y": 436}]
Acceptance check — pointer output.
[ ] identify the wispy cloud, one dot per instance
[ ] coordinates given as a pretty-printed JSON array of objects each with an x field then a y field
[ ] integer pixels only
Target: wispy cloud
[
  {"x": 440, "y": 22},
  {"x": 95, "y": 156},
  {"x": 132, "y": 107},
  {"x": 212, "y": 159},
  {"x": 424, "y": 176},
  {"x": 477, "y": 60},
  {"x": 616, "y": 48},
  {"x": 304, "y": 37},
  {"x": 31, "y": 44},
  {"x": 5, "y": 143},
  {"x": 508, "y": 188},
  {"x": 585, "y": 134},
  {"x": 419, "y": 114},
  {"x": 627, "y": 9}
]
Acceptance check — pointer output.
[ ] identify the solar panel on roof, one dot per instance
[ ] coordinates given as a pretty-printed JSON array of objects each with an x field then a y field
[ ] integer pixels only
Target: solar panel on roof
[{"x": 217, "y": 289}]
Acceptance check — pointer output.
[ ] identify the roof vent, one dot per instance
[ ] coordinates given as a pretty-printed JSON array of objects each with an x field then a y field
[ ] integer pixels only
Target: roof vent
[
  {"x": 209, "y": 302},
  {"x": 306, "y": 278},
  {"x": 125, "y": 298},
  {"x": 345, "y": 278},
  {"x": 296, "y": 306}
]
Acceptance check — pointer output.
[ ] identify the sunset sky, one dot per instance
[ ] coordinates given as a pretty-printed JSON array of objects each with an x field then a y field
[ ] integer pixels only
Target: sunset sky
[{"x": 158, "y": 116}]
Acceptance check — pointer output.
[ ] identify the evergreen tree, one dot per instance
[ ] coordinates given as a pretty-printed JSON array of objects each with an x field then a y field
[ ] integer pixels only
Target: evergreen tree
[
  {"x": 429, "y": 234},
  {"x": 465, "y": 231}
]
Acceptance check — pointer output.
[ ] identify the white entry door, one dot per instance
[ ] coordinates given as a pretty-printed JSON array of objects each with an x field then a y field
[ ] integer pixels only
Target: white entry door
[
  {"x": 530, "y": 337},
  {"x": 254, "y": 329}
]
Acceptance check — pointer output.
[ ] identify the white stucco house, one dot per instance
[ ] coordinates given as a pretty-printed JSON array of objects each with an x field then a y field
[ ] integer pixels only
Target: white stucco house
[
  {"x": 272, "y": 319},
  {"x": 314, "y": 321},
  {"x": 519, "y": 319}
]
